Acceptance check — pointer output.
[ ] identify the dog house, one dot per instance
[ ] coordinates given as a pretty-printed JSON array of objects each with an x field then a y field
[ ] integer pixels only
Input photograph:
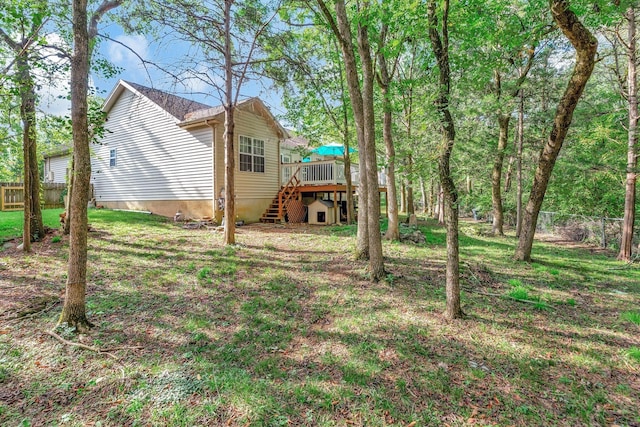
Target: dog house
[{"x": 321, "y": 213}]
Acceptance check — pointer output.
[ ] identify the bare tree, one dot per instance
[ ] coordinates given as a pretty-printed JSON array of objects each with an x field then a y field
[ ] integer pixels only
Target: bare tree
[{"x": 227, "y": 33}]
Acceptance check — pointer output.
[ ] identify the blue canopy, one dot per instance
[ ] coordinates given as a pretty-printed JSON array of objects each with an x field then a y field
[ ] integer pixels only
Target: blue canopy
[{"x": 333, "y": 149}]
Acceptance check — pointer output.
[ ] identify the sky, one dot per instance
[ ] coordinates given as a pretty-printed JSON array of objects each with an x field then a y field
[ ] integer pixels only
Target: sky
[{"x": 132, "y": 69}]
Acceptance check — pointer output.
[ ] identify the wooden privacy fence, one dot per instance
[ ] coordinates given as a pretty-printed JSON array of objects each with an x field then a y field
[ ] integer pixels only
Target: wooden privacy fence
[{"x": 12, "y": 195}]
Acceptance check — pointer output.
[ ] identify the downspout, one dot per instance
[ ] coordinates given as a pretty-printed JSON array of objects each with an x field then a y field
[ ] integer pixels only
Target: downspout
[
  {"x": 280, "y": 139},
  {"x": 214, "y": 207}
]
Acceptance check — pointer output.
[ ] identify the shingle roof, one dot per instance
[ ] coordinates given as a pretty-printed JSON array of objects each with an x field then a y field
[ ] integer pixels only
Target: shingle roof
[
  {"x": 175, "y": 105},
  {"x": 213, "y": 111},
  {"x": 61, "y": 150},
  {"x": 295, "y": 141}
]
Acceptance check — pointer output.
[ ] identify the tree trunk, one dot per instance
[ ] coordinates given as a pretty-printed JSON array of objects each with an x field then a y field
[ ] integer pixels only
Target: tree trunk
[
  {"x": 508, "y": 176},
  {"x": 393, "y": 229},
  {"x": 433, "y": 198},
  {"x": 26, "y": 186},
  {"x": 410, "y": 203},
  {"x": 519, "y": 149},
  {"x": 37, "y": 225},
  {"x": 423, "y": 194},
  {"x": 229, "y": 125},
  {"x": 440, "y": 205},
  {"x": 342, "y": 30},
  {"x": 229, "y": 178},
  {"x": 67, "y": 206},
  {"x": 585, "y": 45},
  {"x": 440, "y": 47},
  {"x": 74, "y": 312},
  {"x": 626, "y": 243},
  {"x": 348, "y": 181},
  {"x": 31, "y": 187},
  {"x": 376, "y": 260},
  {"x": 496, "y": 175},
  {"x": 347, "y": 166}
]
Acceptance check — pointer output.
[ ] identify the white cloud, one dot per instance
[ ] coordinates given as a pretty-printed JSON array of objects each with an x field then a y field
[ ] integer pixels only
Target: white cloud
[
  {"x": 121, "y": 52},
  {"x": 54, "y": 87},
  {"x": 54, "y": 97},
  {"x": 200, "y": 80}
]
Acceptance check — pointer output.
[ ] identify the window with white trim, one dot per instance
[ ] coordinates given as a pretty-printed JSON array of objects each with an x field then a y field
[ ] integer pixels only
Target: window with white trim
[
  {"x": 113, "y": 158},
  {"x": 251, "y": 154}
]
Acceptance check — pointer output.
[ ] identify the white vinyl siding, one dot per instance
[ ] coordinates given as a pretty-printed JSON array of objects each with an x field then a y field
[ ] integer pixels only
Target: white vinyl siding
[
  {"x": 250, "y": 185},
  {"x": 156, "y": 159},
  {"x": 59, "y": 166}
]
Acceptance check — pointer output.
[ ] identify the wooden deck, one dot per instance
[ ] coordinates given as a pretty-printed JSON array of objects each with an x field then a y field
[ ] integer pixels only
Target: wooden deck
[
  {"x": 323, "y": 173},
  {"x": 308, "y": 179},
  {"x": 331, "y": 188}
]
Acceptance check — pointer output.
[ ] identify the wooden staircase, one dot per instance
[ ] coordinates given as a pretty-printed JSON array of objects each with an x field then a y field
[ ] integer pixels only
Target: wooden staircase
[{"x": 278, "y": 207}]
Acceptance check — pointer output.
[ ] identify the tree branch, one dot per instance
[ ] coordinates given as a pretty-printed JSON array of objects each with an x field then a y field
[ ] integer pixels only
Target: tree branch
[
  {"x": 105, "y": 7},
  {"x": 251, "y": 50},
  {"x": 142, "y": 60}
]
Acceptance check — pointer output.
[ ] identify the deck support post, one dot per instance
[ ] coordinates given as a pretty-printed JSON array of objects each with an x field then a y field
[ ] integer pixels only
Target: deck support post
[{"x": 336, "y": 214}]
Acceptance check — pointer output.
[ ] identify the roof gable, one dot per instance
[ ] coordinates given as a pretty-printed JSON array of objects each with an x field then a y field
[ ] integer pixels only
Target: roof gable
[
  {"x": 189, "y": 112},
  {"x": 295, "y": 142},
  {"x": 253, "y": 105},
  {"x": 176, "y": 106}
]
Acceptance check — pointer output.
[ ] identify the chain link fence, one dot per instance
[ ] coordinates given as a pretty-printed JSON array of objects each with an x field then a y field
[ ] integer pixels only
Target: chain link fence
[{"x": 602, "y": 231}]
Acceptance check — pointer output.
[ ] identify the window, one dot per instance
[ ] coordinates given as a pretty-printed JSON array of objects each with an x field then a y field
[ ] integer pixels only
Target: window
[
  {"x": 113, "y": 158},
  {"x": 285, "y": 158},
  {"x": 251, "y": 155}
]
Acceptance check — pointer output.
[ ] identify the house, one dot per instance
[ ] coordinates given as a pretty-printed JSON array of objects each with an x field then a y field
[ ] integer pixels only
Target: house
[
  {"x": 297, "y": 149},
  {"x": 56, "y": 165},
  {"x": 292, "y": 149},
  {"x": 165, "y": 154}
]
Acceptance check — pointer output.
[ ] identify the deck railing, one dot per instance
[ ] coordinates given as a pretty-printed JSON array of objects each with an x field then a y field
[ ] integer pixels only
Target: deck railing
[
  {"x": 319, "y": 172},
  {"x": 324, "y": 172}
]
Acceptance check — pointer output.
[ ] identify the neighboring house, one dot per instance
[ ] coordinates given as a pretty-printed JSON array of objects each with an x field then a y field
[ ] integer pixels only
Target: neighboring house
[
  {"x": 292, "y": 150},
  {"x": 56, "y": 166},
  {"x": 165, "y": 154}
]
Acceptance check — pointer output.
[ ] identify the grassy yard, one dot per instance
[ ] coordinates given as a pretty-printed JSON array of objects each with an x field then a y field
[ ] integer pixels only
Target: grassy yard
[
  {"x": 11, "y": 222},
  {"x": 284, "y": 329}
]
